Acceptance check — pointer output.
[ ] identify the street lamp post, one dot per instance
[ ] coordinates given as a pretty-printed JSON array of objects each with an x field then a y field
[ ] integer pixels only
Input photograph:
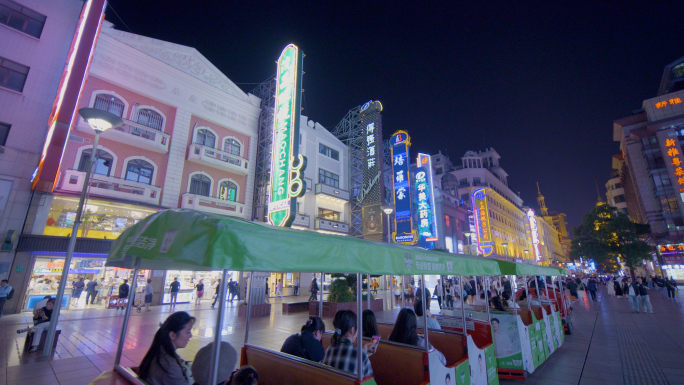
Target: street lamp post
[
  {"x": 99, "y": 121},
  {"x": 526, "y": 252},
  {"x": 505, "y": 245},
  {"x": 388, "y": 210}
]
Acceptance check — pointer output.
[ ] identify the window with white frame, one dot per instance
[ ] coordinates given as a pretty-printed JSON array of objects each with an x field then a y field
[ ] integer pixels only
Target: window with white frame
[
  {"x": 151, "y": 119},
  {"x": 103, "y": 165},
  {"x": 205, "y": 138},
  {"x": 4, "y": 132},
  {"x": 200, "y": 185},
  {"x": 328, "y": 178},
  {"x": 329, "y": 152},
  {"x": 21, "y": 18},
  {"x": 109, "y": 103},
  {"x": 227, "y": 191},
  {"x": 139, "y": 171},
  {"x": 12, "y": 75},
  {"x": 231, "y": 146}
]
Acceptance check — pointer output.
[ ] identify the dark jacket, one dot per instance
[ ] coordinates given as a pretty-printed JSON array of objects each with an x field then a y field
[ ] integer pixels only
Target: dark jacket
[
  {"x": 572, "y": 286},
  {"x": 591, "y": 285},
  {"x": 304, "y": 345},
  {"x": 123, "y": 290},
  {"x": 642, "y": 290}
]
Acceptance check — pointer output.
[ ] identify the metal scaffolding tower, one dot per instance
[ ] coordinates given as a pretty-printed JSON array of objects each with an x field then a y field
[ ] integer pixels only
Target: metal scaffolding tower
[{"x": 265, "y": 91}]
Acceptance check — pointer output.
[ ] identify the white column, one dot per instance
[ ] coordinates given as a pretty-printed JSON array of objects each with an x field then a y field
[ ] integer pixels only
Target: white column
[{"x": 177, "y": 149}]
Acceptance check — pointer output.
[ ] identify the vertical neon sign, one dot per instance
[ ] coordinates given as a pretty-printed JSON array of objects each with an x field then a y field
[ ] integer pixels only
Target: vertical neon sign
[
  {"x": 287, "y": 166},
  {"x": 403, "y": 220},
  {"x": 534, "y": 231},
  {"x": 425, "y": 202},
  {"x": 485, "y": 241}
]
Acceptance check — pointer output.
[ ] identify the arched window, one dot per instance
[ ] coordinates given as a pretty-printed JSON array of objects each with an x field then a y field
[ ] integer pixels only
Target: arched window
[
  {"x": 200, "y": 185},
  {"x": 150, "y": 118},
  {"x": 103, "y": 165},
  {"x": 137, "y": 170},
  {"x": 227, "y": 191},
  {"x": 231, "y": 146},
  {"x": 109, "y": 103},
  {"x": 205, "y": 138}
]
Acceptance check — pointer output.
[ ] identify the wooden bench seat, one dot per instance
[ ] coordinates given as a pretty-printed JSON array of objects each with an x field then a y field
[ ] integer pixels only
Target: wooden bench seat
[
  {"x": 294, "y": 307},
  {"x": 284, "y": 369}
]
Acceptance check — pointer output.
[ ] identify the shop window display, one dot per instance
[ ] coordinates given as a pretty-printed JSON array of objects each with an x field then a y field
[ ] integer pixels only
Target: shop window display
[
  {"x": 103, "y": 220},
  {"x": 188, "y": 280}
]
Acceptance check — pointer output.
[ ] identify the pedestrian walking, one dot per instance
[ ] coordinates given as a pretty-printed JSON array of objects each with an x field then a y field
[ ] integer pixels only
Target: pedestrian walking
[
  {"x": 375, "y": 285},
  {"x": 216, "y": 295},
  {"x": 610, "y": 288},
  {"x": 91, "y": 291},
  {"x": 439, "y": 292},
  {"x": 279, "y": 289},
  {"x": 572, "y": 288},
  {"x": 660, "y": 283},
  {"x": 449, "y": 295},
  {"x": 236, "y": 291},
  {"x": 313, "y": 289},
  {"x": 296, "y": 287},
  {"x": 6, "y": 293},
  {"x": 174, "y": 288},
  {"x": 633, "y": 294},
  {"x": 123, "y": 294},
  {"x": 643, "y": 296},
  {"x": 591, "y": 286},
  {"x": 78, "y": 289},
  {"x": 670, "y": 286},
  {"x": 199, "y": 292},
  {"x": 148, "y": 292},
  {"x": 617, "y": 288}
]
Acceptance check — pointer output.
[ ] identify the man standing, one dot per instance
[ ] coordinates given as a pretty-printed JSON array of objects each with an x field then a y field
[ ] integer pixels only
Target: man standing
[
  {"x": 670, "y": 285},
  {"x": 123, "y": 294},
  {"x": 633, "y": 292},
  {"x": 78, "y": 289},
  {"x": 296, "y": 287},
  {"x": 313, "y": 288},
  {"x": 572, "y": 288},
  {"x": 439, "y": 293},
  {"x": 661, "y": 285},
  {"x": 91, "y": 291},
  {"x": 643, "y": 296},
  {"x": 174, "y": 289},
  {"x": 216, "y": 295},
  {"x": 231, "y": 290},
  {"x": 5, "y": 290},
  {"x": 591, "y": 286},
  {"x": 279, "y": 289}
]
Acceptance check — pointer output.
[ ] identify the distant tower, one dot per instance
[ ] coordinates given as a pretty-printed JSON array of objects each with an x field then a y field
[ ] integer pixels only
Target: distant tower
[
  {"x": 540, "y": 202},
  {"x": 599, "y": 199}
]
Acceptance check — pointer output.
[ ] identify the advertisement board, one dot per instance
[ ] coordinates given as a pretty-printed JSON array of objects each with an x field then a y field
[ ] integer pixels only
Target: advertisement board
[
  {"x": 485, "y": 239},
  {"x": 401, "y": 180},
  {"x": 425, "y": 202}
]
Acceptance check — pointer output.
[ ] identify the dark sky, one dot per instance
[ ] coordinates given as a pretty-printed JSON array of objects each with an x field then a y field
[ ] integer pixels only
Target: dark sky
[{"x": 540, "y": 82}]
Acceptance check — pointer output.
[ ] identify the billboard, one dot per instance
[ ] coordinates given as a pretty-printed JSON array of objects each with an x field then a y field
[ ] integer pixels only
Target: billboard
[
  {"x": 425, "y": 202},
  {"x": 485, "y": 240},
  {"x": 287, "y": 166},
  {"x": 401, "y": 180}
]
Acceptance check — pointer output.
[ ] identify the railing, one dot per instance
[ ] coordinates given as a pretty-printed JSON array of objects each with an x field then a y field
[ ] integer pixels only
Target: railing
[
  {"x": 302, "y": 220},
  {"x": 217, "y": 157},
  {"x": 328, "y": 225},
  {"x": 72, "y": 180},
  {"x": 212, "y": 205},
  {"x": 322, "y": 188},
  {"x": 135, "y": 134}
]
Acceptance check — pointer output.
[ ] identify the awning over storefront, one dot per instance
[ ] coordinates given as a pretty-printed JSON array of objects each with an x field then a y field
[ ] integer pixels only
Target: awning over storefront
[{"x": 191, "y": 240}]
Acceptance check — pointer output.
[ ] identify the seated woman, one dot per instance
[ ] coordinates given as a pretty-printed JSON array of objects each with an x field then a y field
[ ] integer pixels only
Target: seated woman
[
  {"x": 246, "y": 375},
  {"x": 370, "y": 324},
  {"x": 307, "y": 343},
  {"x": 161, "y": 365},
  {"x": 342, "y": 354},
  {"x": 405, "y": 332},
  {"x": 431, "y": 321},
  {"x": 507, "y": 302},
  {"x": 41, "y": 321}
]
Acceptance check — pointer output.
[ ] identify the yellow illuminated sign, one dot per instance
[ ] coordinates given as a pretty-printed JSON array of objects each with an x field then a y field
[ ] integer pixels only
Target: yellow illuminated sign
[
  {"x": 669, "y": 102},
  {"x": 674, "y": 154}
]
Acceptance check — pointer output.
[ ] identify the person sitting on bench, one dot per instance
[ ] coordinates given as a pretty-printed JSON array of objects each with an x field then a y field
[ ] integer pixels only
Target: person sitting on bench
[
  {"x": 41, "y": 321},
  {"x": 307, "y": 343}
]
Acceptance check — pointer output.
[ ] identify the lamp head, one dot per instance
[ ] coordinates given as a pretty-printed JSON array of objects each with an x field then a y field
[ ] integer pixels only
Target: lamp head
[
  {"x": 388, "y": 209},
  {"x": 100, "y": 120}
]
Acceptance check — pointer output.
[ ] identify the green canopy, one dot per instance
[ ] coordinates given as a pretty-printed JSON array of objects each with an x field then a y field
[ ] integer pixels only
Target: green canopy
[
  {"x": 512, "y": 268},
  {"x": 193, "y": 240}
]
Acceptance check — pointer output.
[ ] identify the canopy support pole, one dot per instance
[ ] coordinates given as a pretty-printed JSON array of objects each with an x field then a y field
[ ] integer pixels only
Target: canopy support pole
[
  {"x": 460, "y": 284},
  {"x": 425, "y": 316},
  {"x": 131, "y": 300},
  {"x": 546, "y": 286},
  {"x": 514, "y": 289},
  {"x": 443, "y": 293},
  {"x": 369, "y": 291},
  {"x": 527, "y": 294},
  {"x": 320, "y": 300},
  {"x": 403, "y": 297},
  {"x": 359, "y": 326},
  {"x": 249, "y": 305},
  {"x": 487, "y": 294},
  {"x": 215, "y": 351}
]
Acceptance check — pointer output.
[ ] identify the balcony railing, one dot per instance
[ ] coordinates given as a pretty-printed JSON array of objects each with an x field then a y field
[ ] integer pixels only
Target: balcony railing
[
  {"x": 328, "y": 225},
  {"x": 134, "y": 134},
  {"x": 213, "y": 205},
  {"x": 335, "y": 192},
  {"x": 302, "y": 220},
  {"x": 218, "y": 159},
  {"x": 111, "y": 187}
]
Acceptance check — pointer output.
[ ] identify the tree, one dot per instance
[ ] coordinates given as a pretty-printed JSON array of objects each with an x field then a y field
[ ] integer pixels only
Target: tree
[{"x": 606, "y": 234}]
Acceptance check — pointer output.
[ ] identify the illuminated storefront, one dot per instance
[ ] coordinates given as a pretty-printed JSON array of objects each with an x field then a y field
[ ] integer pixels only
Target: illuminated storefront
[{"x": 672, "y": 260}]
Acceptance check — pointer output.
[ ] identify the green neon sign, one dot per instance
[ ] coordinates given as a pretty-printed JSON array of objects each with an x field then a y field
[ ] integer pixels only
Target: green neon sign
[{"x": 287, "y": 166}]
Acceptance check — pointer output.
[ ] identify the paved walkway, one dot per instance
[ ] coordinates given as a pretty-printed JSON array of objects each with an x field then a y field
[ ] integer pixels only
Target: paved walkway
[{"x": 610, "y": 344}]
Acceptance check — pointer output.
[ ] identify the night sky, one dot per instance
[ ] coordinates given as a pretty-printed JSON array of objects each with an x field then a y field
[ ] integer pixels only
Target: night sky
[{"x": 539, "y": 82}]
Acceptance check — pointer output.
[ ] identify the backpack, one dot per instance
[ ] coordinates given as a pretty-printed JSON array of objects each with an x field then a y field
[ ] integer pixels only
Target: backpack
[{"x": 10, "y": 294}]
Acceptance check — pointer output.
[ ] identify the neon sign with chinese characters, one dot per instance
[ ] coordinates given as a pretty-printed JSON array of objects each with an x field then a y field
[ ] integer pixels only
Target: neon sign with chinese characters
[
  {"x": 534, "y": 231},
  {"x": 287, "y": 166},
  {"x": 425, "y": 203},
  {"x": 403, "y": 220},
  {"x": 669, "y": 102},
  {"x": 672, "y": 253},
  {"x": 674, "y": 156},
  {"x": 485, "y": 241}
]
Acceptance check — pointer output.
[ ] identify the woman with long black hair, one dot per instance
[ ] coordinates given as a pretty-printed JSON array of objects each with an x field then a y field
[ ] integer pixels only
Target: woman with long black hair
[
  {"x": 161, "y": 365},
  {"x": 406, "y": 332},
  {"x": 342, "y": 354},
  {"x": 307, "y": 343}
]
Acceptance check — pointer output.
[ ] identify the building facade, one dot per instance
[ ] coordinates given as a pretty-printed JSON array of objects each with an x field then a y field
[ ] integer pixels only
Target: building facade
[
  {"x": 35, "y": 36},
  {"x": 188, "y": 141}
]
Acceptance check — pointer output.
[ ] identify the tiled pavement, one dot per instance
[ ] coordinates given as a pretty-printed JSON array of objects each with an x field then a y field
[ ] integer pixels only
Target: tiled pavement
[{"x": 610, "y": 345}]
